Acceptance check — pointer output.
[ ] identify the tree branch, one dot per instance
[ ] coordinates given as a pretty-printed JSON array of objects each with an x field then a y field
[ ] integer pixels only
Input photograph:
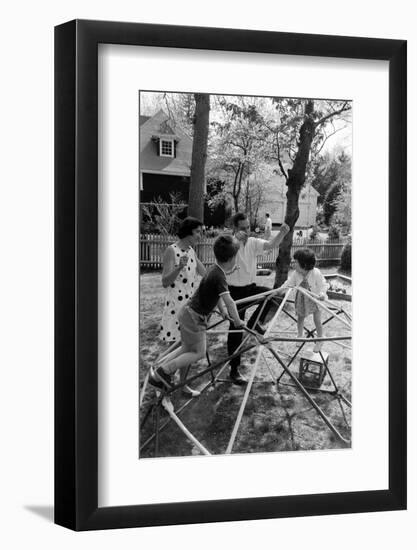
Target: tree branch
[
  {"x": 327, "y": 136},
  {"x": 170, "y": 114},
  {"x": 345, "y": 107},
  {"x": 281, "y": 167},
  {"x": 275, "y": 132},
  {"x": 238, "y": 145}
]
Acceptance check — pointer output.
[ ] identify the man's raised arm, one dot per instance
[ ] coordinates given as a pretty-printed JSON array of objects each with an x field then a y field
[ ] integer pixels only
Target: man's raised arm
[{"x": 276, "y": 241}]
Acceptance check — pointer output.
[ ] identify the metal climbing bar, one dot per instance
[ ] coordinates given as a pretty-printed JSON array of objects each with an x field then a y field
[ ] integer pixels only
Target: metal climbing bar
[
  {"x": 321, "y": 304},
  {"x": 184, "y": 406},
  {"x": 222, "y": 364},
  {"x": 169, "y": 407},
  {"x": 308, "y": 396},
  {"x": 263, "y": 343},
  {"x": 256, "y": 297},
  {"x": 250, "y": 382}
]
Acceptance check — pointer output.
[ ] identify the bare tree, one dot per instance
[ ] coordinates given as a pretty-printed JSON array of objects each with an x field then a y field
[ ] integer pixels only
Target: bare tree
[{"x": 239, "y": 143}]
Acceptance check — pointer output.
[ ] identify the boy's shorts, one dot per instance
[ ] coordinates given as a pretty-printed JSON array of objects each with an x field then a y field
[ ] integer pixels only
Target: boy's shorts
[{"x": 193, "y": 327}]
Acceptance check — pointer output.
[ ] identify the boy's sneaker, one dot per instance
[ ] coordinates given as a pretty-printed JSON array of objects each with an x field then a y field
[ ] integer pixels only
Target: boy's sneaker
[
  {"x": 160, "y": 379},
  {"x": 189, "y": 392}
]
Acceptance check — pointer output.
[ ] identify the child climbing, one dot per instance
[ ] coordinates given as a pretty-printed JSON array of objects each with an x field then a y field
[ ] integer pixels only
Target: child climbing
[{"x": 306, "y": 275}]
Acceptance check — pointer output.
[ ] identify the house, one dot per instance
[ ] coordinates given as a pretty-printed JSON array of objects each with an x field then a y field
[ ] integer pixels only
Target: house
[
  {"x": 165, "y": 158},
  {"x": 165, "y": 153},
  {"x": 277, "y": 202}
]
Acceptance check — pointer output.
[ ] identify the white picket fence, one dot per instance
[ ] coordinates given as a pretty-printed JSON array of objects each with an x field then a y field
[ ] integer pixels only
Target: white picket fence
[{"x": 152, "y": 248}]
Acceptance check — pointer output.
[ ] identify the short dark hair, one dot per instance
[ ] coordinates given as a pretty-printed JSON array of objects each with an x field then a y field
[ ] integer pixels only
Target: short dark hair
[
  {"x": 187, "y": 225},
  {"x": 239, "y": 216},
  {"x": 267, "y": 215},
  {"x": 306, "y": 258},
  {"x": 225, "y": 247}
]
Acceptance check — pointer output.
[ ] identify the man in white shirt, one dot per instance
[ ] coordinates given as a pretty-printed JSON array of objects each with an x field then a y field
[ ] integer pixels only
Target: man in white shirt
[{"x": 242, "y": 282}]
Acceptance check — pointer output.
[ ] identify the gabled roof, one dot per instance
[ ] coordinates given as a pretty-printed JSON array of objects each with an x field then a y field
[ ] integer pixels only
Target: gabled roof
[
  {"x": 143, "y": 119},
  {"x": 158, "y": 126}
]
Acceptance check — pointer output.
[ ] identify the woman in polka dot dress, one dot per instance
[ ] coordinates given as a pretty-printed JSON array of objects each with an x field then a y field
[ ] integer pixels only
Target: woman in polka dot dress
[{"x": 180, "y": 267}]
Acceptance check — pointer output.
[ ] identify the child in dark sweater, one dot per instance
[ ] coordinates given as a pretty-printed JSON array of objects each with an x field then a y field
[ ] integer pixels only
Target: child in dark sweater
[{"x": 193, "y": 317}]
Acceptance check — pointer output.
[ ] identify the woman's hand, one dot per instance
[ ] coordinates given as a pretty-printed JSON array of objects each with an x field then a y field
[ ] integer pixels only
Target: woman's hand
[
  {"x": 170, "y": 271},
  {"x": 183, "y": 261}
]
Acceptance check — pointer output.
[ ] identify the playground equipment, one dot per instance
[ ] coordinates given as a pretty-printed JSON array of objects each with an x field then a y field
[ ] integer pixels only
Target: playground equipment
[{"x": 313, "y": 368}]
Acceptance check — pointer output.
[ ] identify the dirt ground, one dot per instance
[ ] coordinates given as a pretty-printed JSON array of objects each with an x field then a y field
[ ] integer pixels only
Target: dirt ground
[{"x": 277, "y": 416}]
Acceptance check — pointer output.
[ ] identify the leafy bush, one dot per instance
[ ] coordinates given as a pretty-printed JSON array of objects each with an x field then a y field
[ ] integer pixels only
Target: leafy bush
[
  {"x": 346, "y": 258},
  {"x": 334, "y": 232},
  {"x": 160, "y": 217},
  {"x": 314, "y": 233}
]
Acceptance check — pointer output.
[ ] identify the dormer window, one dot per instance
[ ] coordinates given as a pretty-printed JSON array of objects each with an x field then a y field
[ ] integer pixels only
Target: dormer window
[
  {"x": 165, "y": 145},
  {"x": 166, "y": 148}
]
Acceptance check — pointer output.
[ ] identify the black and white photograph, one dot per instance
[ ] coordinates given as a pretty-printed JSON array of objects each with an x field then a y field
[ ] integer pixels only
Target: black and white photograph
[
  {"x": 245, "y": 286},
  {"x": 208, "y": 236}
]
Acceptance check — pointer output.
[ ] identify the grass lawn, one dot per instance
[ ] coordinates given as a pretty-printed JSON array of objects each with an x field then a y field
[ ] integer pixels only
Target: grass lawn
[{"x": 276, "y": 418}]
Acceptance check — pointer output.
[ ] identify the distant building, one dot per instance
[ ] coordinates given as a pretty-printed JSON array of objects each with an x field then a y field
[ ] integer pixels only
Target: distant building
[{"x": 277, "y": 202}]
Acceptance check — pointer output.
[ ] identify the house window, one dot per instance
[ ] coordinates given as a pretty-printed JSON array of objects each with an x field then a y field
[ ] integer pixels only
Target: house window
[{"x": 166, "y": 148}]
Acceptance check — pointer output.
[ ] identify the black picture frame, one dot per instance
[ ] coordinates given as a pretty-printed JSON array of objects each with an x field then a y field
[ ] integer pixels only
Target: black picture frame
[{"x": 76, "y": 272}]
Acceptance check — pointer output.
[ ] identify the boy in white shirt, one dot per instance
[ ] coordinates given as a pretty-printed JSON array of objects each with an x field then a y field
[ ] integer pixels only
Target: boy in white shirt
[{"x": 309, "y": 277}]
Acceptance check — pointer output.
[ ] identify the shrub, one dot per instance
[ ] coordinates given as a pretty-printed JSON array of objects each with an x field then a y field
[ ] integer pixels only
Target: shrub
[
  {"x": 334, "y": 232},
  {"x": 314, "y": 233},
  {"x": 161, "y": 217},
  {"x": 346, "y": 258}
]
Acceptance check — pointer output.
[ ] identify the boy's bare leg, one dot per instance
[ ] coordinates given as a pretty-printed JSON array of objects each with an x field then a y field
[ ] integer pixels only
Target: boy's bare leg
[
  {"x": 187, "y": 390},
  {"x": 161, "y": 377},
  {"x": 187, "y": 357},
  {"x": 319, "y": 329},
  {"x": 171, "y": 356}
]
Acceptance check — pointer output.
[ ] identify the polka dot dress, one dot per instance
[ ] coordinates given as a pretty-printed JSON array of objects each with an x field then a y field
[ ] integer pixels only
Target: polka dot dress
[{"x": 177, "y": 294}]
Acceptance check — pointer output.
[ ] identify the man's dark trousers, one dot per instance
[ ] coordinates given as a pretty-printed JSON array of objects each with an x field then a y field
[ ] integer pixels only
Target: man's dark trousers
[{"x": 234, "y": 339}]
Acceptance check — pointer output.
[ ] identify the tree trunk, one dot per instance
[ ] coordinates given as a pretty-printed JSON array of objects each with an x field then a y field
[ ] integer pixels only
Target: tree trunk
[
  {"x": 199, "y": 156},
  {"x": 237, "y": 185},
  {"x": 295, "y": 181},
  {"x": 235, "y": 195},
  {"x": 247, "y": 199}
]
